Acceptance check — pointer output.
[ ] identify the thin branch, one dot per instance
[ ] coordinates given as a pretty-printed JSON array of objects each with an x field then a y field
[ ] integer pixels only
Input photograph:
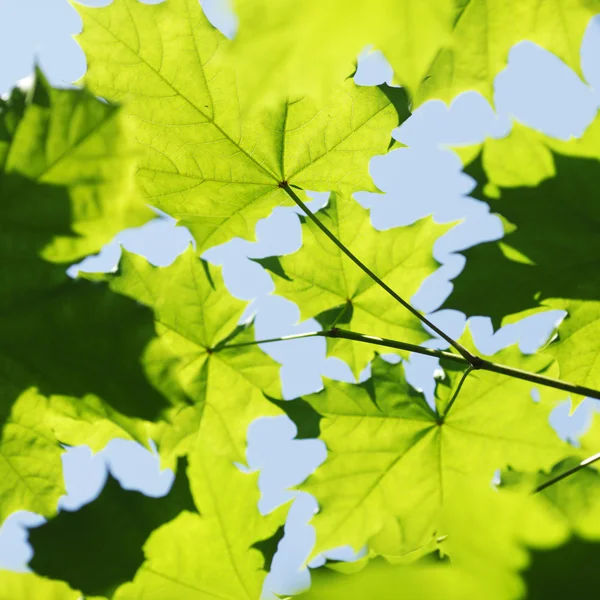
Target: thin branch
[
  {"x": 581, "y": 465},
  {"x": 483, "y": 365},
  {"x": 473, "y": 360},
  {"x": 283, "y": 338},
  {"x": 457, "y": 390}
]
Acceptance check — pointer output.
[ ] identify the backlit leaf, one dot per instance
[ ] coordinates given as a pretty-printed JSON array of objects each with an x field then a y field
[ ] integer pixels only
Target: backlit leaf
[
  {"x": 28, "y": 585},
  {"x": 204, "y": 163},
  {"x": 437, "y": 49},
  {"x": 486, "y": 30},
  {"x": 298, "y": 46},
  {"x": 327, "y": 286},
  {"x": 207, "y": 386},
  {"x": 393, "y": 462},
  {"x": 211, "y": 554},
  {"x": 65, "y": 190}
]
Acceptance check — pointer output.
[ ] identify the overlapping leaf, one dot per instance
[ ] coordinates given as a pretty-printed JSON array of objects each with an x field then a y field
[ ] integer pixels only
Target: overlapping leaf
[
  {"x": 70, "y": 139},
  {"x": 30, "y": 464},
  {"x": 28, "y": 585},
  {"x": 437, "y": 49},
  {"x": 378, "y": 580},
  {"x": 573, "y": 501},
  {"x": 215, "y": 393},
  {"x": 545, "y": 192},
  {"x": 326, "y": 285},
  {"x": 99, "y": 547},
  {"x": 211, "y": 554},
  {"x": 393, "y": 462},
  {"x": 485, "y": 31},
  {"x": 298, "y": 47},
  {"x": 501, "y": 544},
  {"x": 208, "y": 387},
  {"x": 205, "y": 164},
  {"x": 64, "y": 191}
]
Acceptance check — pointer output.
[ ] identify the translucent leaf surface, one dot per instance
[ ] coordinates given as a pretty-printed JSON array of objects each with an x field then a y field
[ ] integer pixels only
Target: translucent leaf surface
[
  {"x": 211, "y": 554},
  {"x": 208, "y": 387},
  {"x": 68, "y": 138},
  {"x": 393, "y": 462},
  {"x": 437, "y": 49},
  {"x": 205, "y": 163},
  {"x": 326, "y": 285},
  {"x": 29, "y": 585},
  {"x": 382, "y": 581},
  {"x": 572, "y": 500},
  {"x": 292, "y": 47},
  {"x": 485, "y": 31},
  {"x": 65, "y": 191}
]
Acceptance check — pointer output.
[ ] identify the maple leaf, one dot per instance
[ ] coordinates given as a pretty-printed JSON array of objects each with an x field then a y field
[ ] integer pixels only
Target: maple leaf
[
  {"x": 205, "y": 163},
  {"x": 500, "y": 543},
  {"x": 325, "y": 285},
  {"x": 68, "y": 138},
  {"x": 437, "y": 49},
  {"x": 544, "y": 192},
  {"x": 571, "y": 502},
  {"x": 212, "y": 554},
  {"x": 207, "y": 385},
  {"x": 381, "y": 580},
  {"x": 215, "y": 393},
  {"x": 486, "y": 30},
  {"x": 505, "y": 544},
  {"x": 28, "y": 585},
  {"x": 64, "y": 165},
  {"x": 30, "y": 464},
  {"x": 296, "y": 41},
  {"x": 393, "y": 462}
]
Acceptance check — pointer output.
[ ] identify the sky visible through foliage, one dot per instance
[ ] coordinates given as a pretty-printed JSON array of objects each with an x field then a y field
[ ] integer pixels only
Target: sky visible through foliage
[{"x": 424, "y": 179}]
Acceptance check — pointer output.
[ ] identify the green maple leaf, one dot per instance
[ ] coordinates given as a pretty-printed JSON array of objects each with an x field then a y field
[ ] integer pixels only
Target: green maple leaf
[
  {"x": 64, "y": 169},
  {"x": 28, "y": 585},
  {"x": 99, "y": 547},
  {"x": 212, "y": 554},
  {"x": 214, "y": 393},
  {"x": 207, "y": 386},
  {"x": 69, "y": 138},
  {"x": 30, "y": 464},
  {"x": 215, "y": 170},
  {"x": 573, "y": 501},
  {"x": 394, "y": 463},
  {"x": 492, "y": 537},
  {"x": 296, "y": 41},
  {"x": 485, "y": 31},
  {"x": 521, "y": 544},
  {"x": 327, "y": 286},
  {"x": 437, "y": 49},
  {"x": 382, "y": 581},
  {"x": 544, "y": 192}
]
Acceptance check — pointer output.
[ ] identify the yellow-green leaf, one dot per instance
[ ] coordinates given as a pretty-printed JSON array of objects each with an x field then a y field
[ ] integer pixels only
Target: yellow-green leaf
[
  {"x": 205, "y": 163},
  {"x": 328, "y": 286},
  {"x": 394, "y": 463}
]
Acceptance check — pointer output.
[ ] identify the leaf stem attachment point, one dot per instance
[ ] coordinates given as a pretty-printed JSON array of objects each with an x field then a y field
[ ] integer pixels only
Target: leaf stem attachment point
[{"x": 459, "y": 348}]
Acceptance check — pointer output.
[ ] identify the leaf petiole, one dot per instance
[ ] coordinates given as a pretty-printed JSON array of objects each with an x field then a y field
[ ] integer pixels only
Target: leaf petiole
[
  {"x": 473, "y": 360},
  {"x": 584, "y": 463}
]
